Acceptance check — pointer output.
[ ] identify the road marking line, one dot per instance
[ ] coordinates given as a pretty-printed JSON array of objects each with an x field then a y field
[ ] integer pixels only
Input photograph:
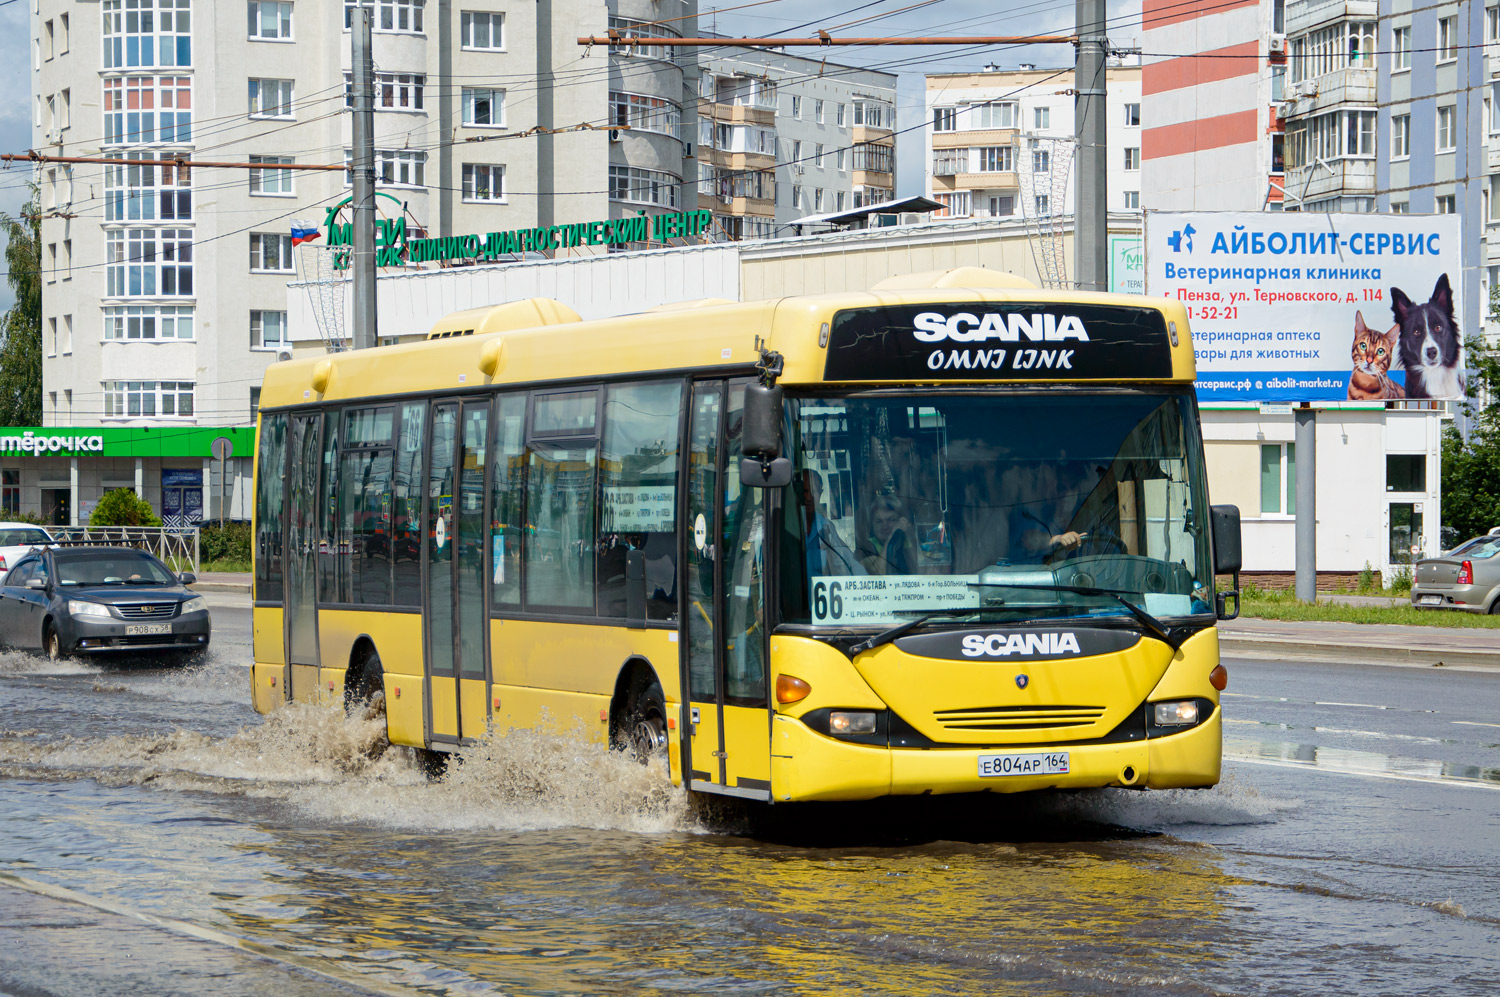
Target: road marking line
[
  {"x": 1473, "y": 723},
  {"x": 1332, "y": 770},
  {"x": 1363, "y": 706}
]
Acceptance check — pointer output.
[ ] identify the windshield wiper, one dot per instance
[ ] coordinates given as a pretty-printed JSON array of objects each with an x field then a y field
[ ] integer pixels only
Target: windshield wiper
[
  {"x": 1153, "y": 626},
  {"x": 902, "y": 629}
]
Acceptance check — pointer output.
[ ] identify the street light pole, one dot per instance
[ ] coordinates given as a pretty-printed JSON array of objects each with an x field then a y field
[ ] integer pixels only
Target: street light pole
[{"x": 364, "y": 177}]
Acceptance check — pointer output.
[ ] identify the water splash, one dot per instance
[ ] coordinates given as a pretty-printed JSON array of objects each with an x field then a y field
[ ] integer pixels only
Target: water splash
[{"x": 1232, "y": 803}]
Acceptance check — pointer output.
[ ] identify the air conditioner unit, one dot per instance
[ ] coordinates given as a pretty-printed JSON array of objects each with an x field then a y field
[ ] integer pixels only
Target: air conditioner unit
[
  {"x": 283, "y": 355},
  {"x": 614, "y": 134},
  {"x": 1276, "y": 45},
  {"x": 798, "y": 169},
  {"x": 54, "y": 136}
]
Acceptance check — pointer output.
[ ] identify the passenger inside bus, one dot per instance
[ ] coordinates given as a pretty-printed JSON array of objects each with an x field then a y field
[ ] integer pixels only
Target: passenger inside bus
[{"x": 888, "y": 550}]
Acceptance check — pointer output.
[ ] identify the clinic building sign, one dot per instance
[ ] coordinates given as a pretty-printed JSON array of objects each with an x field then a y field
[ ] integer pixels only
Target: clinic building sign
[
  {"x": 1309, "y": 307},
  {"x": 59, "y": 473}
]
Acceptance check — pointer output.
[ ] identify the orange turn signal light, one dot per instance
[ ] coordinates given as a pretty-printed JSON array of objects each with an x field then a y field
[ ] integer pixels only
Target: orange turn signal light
[
  {"x": 791, "y": 689},
  {"x": 1218, "y": 678}
]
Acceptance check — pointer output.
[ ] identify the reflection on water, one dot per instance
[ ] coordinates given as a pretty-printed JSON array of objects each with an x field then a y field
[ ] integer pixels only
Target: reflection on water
[{"x": 1354, "y": 762}]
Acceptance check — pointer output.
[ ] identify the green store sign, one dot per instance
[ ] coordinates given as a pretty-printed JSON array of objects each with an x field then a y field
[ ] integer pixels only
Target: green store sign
[
  {"x": 393, "y": 247},
  {"x": 124, "y": 441}
]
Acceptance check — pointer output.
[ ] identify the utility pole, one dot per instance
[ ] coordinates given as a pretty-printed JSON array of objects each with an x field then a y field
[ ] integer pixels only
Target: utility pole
[
  {"x": 1306, "y": 463},
  {"x": 1091, "y": 208},
  {"x": 364, "y": 177}
]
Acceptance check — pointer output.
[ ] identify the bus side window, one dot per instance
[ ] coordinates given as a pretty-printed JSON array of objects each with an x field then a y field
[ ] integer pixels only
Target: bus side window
[
  {"x": 333, "y": 571},
  {"x": 269, "y": 502},
  {"x": 560, "y": 494},
  {"x": 638, "y": 494},
  {"x": 406, "y": 527},
  {"x": 505, "y": 505}
]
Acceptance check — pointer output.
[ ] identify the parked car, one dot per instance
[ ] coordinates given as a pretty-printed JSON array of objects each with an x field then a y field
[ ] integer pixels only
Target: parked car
[
  {"x": 101, "y": 601},
  {"x": 17, "y": 539},
  {"x": 1466, "y": 578}
]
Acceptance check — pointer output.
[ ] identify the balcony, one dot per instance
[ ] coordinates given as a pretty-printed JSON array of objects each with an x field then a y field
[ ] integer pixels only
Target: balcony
[
  {"x": 1303, "y": 15},
  {"x": 945, "y": 184},
  {"x": 873, "y": 178},
  {"x": 739, "y": 114},
  {"x": 1329, "y": 178},
  {"x": 865, "y": 133},
  {"x": 1343, "y": 86},
  {"x": 978, "y": 137},
  {"x": 736, "y": 160}
]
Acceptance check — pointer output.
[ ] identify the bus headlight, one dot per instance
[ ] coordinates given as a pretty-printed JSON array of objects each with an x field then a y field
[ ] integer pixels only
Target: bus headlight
[
  {"x": 1179, "y": 714},
  {"x": 845, "y": 722}
]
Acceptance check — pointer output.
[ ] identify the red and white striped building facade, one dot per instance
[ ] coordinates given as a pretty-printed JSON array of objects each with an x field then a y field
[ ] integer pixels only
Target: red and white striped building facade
[{"x": 1210, "y": 137}]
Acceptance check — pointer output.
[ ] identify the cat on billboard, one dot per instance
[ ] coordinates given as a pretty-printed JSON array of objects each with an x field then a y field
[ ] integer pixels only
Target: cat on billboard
[{"x": 1423, "y": 347}]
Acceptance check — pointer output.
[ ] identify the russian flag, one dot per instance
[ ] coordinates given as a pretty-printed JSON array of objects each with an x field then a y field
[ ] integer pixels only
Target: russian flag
[{"x": 303, "y": 232}]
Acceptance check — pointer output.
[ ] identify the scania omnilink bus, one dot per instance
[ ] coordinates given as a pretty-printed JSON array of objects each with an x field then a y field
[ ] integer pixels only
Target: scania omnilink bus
[{"x": 950, "y": 534}]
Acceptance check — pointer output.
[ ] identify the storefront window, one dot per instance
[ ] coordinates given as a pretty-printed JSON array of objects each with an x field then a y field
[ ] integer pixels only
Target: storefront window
[{"x": 10, "y": 492}]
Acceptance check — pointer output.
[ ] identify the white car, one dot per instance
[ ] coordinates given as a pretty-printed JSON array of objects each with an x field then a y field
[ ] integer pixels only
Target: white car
[{"x": 18, "y": 538}]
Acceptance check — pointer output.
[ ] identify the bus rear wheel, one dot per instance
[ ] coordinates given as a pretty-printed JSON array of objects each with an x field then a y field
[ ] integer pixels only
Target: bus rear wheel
[
  {"x": 366, "y": 689},
  {"x": 645, "y": 728}
]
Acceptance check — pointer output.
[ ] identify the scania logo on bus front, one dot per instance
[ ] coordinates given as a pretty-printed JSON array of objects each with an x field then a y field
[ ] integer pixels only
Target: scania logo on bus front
[
  {"x": 1004, "y": 645},
  {"x": 966, "y": 327}
]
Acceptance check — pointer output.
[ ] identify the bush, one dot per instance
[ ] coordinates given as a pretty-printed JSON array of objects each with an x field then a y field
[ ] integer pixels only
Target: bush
[
  {"x": 25, "y": 517},
  {"x": 123, "y": 507},
  {"x": 1366, "y": 583},
  {"x": 1401, "y": 580},
  {"x": 230, "y": 542}
]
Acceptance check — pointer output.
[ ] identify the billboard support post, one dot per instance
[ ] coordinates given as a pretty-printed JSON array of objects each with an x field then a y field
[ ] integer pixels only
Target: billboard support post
[{"x": 1307, "y": 504}]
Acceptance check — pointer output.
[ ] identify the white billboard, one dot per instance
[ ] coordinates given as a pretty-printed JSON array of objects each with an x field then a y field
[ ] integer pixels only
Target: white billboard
[{"x": 1307, "y": 306}]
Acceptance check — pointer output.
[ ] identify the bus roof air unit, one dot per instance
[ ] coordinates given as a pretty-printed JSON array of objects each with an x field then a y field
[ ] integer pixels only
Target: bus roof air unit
[
  {"x": 972, "y": 277},
  {"x": 527, "y": 313}
]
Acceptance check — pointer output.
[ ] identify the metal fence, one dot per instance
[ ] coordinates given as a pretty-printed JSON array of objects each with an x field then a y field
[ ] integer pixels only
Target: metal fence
[{"x": 177, "y": 546}]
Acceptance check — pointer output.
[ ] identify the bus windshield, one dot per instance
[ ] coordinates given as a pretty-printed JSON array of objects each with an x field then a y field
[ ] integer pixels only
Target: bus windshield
[{"x": 993, "y": 506}]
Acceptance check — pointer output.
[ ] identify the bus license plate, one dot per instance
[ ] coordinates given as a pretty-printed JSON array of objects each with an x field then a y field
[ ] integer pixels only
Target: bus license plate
[
  {"x": 134, "y": 629},
  {"x": 1050, "y": 763}
]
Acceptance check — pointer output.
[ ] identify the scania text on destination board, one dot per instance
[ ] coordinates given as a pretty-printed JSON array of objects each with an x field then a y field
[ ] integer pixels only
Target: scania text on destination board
[{"x": 1030, "y": 341}]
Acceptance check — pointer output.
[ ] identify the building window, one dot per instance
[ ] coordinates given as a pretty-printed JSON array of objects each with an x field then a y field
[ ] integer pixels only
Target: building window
[
  {"x": 796, "y": 197},
  {"x": 270, "y": 251},
  {"x": 1132, "y": 115},
  {"x": 137, "y": 399},
  {"x": 1041, "y": 117},
  {"x": 818, "y": 111},
  {"x": 873, "y": 158},
  {"x": 1041, "y": 161},
  {"x": 643, "y": 112},
  {"x": 124, "y": 323},
  {"x": 1447, "y": 204},
  {"x": 1405, "y": 472},
  {"x": 874, "y": 114},
  {"x": 1043, "y": 205},
  {"x": 67, "y": 260},
  {"x": 838, "y": 201},
  {"x": 482, "y": 31},
  {"x": 1132, "y": 159},
  {"x": 949, "y": 162},
  {"x": 270, "y": 98},
  {"x": 67, "y": 340},
  {"x": 630, "y": 183},
  {"x": 994, "y": 115},
  {"x": 1278, "y": 478},
  {"x": 817, "y": 198},
  {"x": 271, "y": 183},
  {"x": 839, "y": 115},
  {"x": 146, "y": 34},
  {"x": 1002, "y": 206},
  {"x": 729, "y": 184},
  {"x": 1400, "y": 136},
  {"x": 865, "y": 197},
  {"x": 140, "y": 110},
  {"x": 944, "y": 119},
  {"x": 1332, "y": 136},
  {"x": 1400, "y": 207},
  {"x": 839, "y": 159},
  {"x": 1447, "y": 139},
  {"x": 995, "y": 159},
  {"x": 10, "y": 491},
  {"x": 393, "y": 167},
  {"x": 796, "y": 106},
  {"x": 1132, "y": 200},
  {"x": 818, "y": 155},
  {"x": 484, "y": 183},
  {"x": 270, "y": 20},
  {"x": 392, "y": 91},
  {"x": 254, "y": 405},
  {"x": 52, "y": 337},
  {"x": 62, "y": 34},
  {"x": 796, "y": 152},
  {"x": 1447, "y": 39},
  {"x": 958, "y": 204},
  {"x": 390, "y": 15},
  {"x": 267, "y": 330},
  {"x": 148, "y": 262},
  {"x": 1400, "y": 49},
  {"x": 484, "y": 108}
]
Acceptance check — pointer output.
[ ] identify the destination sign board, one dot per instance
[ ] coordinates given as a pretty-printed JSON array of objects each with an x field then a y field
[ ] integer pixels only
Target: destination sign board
[{"x": 1004, "y": 341}]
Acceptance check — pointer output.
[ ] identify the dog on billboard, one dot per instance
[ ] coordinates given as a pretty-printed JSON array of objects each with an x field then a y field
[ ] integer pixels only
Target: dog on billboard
[{"x": 1429, "y": 348}]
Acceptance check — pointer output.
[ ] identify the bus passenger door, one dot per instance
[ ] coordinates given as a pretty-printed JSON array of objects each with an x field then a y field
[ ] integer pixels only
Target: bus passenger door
[
  {"x": 301, "y": 579},
  {"x": 456, "y": 627},
  {"x": 729, "y": 723}
]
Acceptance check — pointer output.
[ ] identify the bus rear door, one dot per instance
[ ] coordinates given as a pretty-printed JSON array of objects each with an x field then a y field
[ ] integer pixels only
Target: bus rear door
[{"x": 728, "y": 726}]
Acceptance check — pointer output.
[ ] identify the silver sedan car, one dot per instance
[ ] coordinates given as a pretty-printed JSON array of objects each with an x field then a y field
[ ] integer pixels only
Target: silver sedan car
[{"x": 1466, "y": 578}]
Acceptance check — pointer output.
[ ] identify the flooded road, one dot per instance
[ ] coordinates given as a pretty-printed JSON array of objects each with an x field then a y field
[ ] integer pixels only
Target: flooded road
[{"x": 157, "y": 837}]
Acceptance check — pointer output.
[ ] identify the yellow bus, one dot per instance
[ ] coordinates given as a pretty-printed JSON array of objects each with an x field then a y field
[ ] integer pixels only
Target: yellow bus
[{"x": 950, "y": 534}]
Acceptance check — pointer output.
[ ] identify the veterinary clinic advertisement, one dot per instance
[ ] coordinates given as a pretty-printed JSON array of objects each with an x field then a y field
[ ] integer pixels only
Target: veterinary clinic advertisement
[{"x": 1308, "y": 307}]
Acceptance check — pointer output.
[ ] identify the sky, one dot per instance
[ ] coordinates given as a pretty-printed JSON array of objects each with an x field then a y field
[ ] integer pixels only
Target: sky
[{"x": 793, "y": 18}]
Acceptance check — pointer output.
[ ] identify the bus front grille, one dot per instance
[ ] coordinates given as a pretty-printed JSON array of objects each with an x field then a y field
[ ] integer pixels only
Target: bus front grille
[{"x": 1017, "y": 717}]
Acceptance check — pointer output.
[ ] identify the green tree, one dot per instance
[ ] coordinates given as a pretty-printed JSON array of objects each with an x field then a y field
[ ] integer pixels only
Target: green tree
[
  {"x": 122, "y": 507},
  {"x": 21, "y": 327},
  {"x": 1471, "y": 466}
]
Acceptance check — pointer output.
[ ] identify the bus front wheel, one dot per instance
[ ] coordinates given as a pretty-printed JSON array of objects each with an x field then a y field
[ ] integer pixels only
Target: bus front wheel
[{"x": 645, "y": 727}]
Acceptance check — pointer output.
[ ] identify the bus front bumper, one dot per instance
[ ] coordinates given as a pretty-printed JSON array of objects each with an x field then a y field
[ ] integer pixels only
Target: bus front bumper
[{"x": 806, "y": 765}]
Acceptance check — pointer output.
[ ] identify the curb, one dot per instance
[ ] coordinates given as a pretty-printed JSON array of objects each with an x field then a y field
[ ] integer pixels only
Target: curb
[
  {"x": 1282, "y": 648},
  {"x": 200, "y": 585}
]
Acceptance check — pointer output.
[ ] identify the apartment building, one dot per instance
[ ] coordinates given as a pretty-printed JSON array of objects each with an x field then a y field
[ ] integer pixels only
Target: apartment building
[
  {"x": 1000, "y": 143},
  {"x": 782, "y": 137},
  {"x": 1328, "y": 105},
  {"x": 165, "y": 294}
]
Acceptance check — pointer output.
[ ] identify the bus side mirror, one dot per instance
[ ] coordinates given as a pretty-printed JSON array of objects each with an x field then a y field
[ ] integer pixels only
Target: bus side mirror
[
  {"x": 762, "y": 465},
  {"x": 1226, "y": 533}
]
